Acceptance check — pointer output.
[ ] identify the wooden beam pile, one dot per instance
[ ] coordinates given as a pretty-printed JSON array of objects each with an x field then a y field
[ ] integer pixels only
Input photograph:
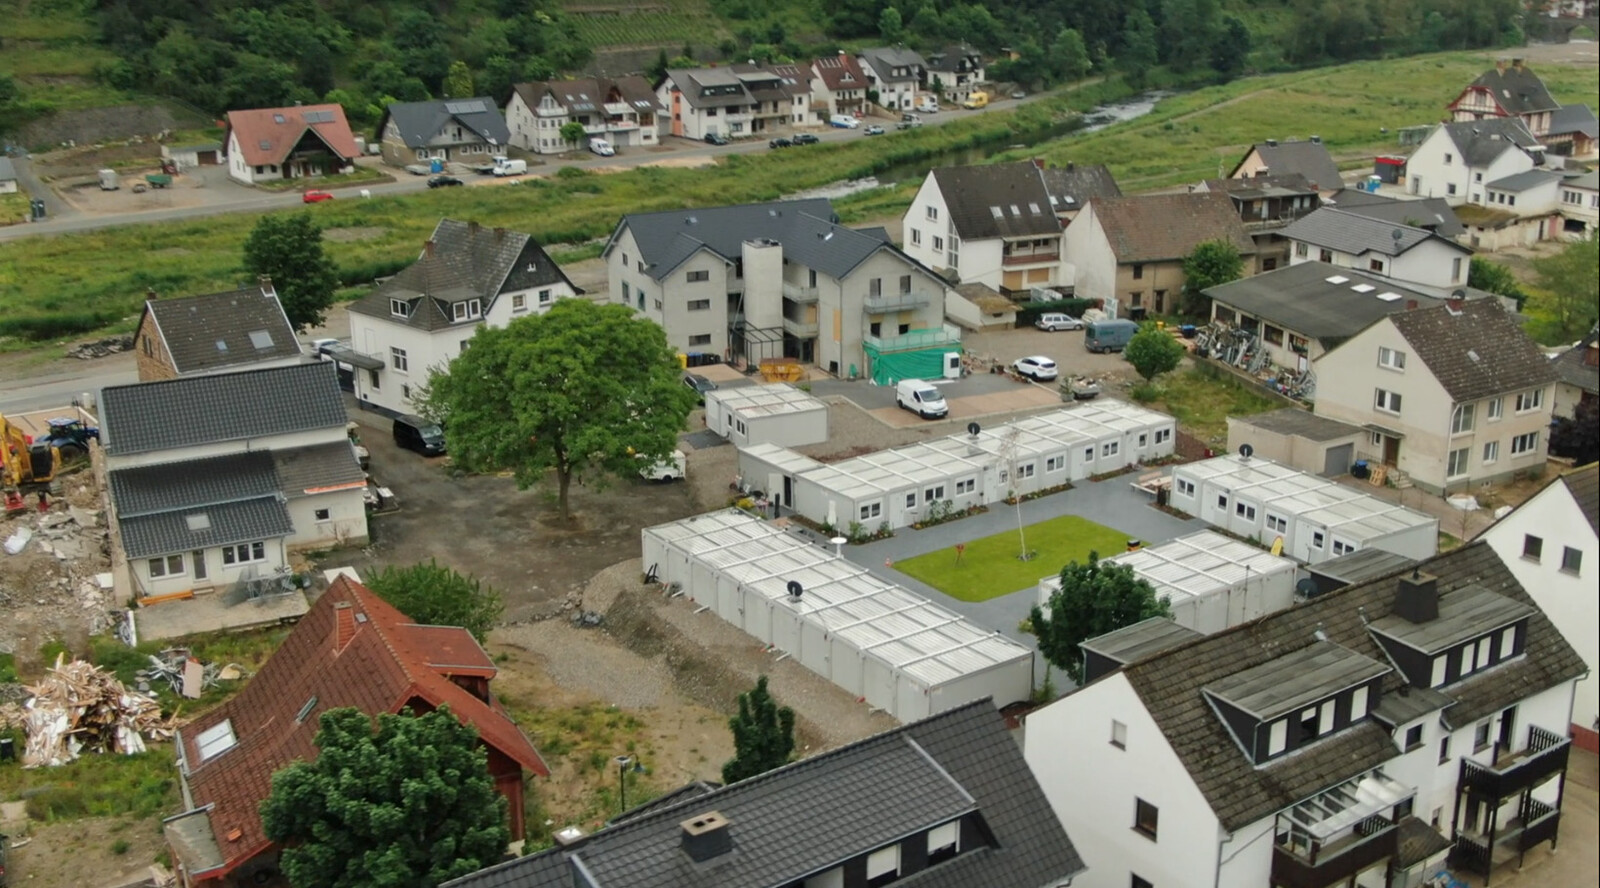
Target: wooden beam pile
[{"x": 80, "y": 707}]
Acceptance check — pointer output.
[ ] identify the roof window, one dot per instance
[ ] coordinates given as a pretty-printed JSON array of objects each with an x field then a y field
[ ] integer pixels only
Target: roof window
[
  {"x": 216, "y": 740},
  {"x": 261, "y": 339}
]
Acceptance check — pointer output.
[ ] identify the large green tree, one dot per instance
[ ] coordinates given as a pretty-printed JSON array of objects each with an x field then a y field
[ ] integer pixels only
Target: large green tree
[
  {"x": 409, "y": 805},
  {"x": 573, "y": 132},
  {"x": 288, "y": 247},
  {"x": 458, "y": 81},
  {"x": 1153, "y": 351},
  {"x": 1140, "y": 50},
  {"x": 1210, "y": 264},
  {"x": 438, "y": 596},
  {"x": 585, "y": 391},
  {"x": 763, "y": 735},
  {"x": 1491, "y": 276},
  {"x": 1069, "y": 56},
  {"x": 1095, "y": 598},
  {"x": 1570, "y": 285}
]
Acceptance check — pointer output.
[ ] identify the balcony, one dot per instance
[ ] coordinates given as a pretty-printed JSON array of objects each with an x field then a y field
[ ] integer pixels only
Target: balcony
[
  {"x": 914, "y": 340},
  {"x": 1510, "y": 773},
  {"x": 797, "y": 293},
  {"x": 1025, "y": 258},
  {"x": 621, "y": 125},
  {"x": 1535, "y": 822},
  {"x": 1372, "y": 841},
  {"x": 887, "y": 302},
  {"x": 1338, "y": 833},
  {"x": 800, "y": 329}
]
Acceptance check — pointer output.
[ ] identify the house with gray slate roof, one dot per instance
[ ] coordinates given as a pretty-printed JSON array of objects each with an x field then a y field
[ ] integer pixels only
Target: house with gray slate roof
[
  {"x": 946, "y": 802},
  {"x": 468, "y": 276},
  {"x": 623, "y": 110},
  {"x": 1403, "y": 253},
  {"x": 1507, "y": 91},
  {"x": 214, "y": 333},
  {"x": 459, "y": 130},
  {"x": 1365, "y": 737},
  {"x": 1457, "y": 160},
  {"x": 1432, "y": 213},
  {"x": 1274, "y": 158},
  {"x": 896, "y": 73},
  {"x": 215, "y": 479},
  {"x": 992, "y": 224},
  {"x": 783, "y": 280},
  {"x": 1578, "y": 375}
]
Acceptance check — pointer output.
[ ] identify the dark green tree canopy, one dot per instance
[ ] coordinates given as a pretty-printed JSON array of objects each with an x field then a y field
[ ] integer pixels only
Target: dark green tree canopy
[
  {"x": 288, "y": 248},
  {"x": 438, "y": 596},
  {"x": 1569, "y": 284},
  {"x": 1153, "y": 351},
  {"x": 409, "y": 805},
  {"x": 1095, "y": 598},
  {"x": 1210, "y": 264},
  {"x": 1491, "y": 276},
  {"x": 763, "y": 735}
]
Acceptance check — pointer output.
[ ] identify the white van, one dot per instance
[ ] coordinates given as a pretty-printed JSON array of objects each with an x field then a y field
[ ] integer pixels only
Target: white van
[
  {"x": 844, "y": 121},
  {"x": 928, "y": 105},
  {"x": 922, "y": 398},
  {"x": 668, "y": 469},
  {"x": 504, "y": 166},
  {"x": 601, "y": 147}
]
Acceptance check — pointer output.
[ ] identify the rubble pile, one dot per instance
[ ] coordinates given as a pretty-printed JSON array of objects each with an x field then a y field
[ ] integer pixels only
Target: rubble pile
[
  {"x": 99, "y": 348},
  {"x": 80, "y": 707},
  {"x": 186, "y": 676},
  {"x": 55, "y": 567}
]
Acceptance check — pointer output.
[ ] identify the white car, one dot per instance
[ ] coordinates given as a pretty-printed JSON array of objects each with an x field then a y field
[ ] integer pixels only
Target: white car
[
  {"x": 1036, "y": 367},
  {"x": 1053, "y": 321}
]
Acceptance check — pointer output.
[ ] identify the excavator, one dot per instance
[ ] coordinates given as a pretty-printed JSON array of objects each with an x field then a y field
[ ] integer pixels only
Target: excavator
[{"x": 25, "y": 466}]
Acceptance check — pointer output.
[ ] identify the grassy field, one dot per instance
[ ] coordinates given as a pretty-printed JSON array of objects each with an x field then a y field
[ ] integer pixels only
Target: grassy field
[
  {"x": 1202, "y": 401},
  {"x": 620, "y": 23},
  {"x": 51, "y": 50},
  {"x": 990, "y": 568}
]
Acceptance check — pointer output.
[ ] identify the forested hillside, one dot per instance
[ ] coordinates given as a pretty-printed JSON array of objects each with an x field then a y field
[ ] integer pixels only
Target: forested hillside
[{"x": 220, "y": 54}]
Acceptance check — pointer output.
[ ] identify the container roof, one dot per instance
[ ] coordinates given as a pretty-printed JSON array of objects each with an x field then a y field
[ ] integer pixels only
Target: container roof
[
  {"x": 1200, "y": 564},
  {"x": 765, "y": 400},
  {"x": 1289, "y": 492}
]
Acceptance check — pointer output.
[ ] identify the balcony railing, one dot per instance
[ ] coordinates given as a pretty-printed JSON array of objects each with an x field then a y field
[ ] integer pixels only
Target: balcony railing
[
  {"x": 1029, "y": 258},
  {"x": 800, "y": 329},
  {"x": 1545, "y": 755},
  {"x": 915, "y": 339},
  {"x": 1372, "y": 840},
  {"x": 896, "y": 302},
  {"x": 1536, "y": 822},
  {"x": 797, "y": 293}
]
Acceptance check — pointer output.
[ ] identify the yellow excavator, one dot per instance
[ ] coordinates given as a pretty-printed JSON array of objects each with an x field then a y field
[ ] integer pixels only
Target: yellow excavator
[{"x": 25, "y": 466}]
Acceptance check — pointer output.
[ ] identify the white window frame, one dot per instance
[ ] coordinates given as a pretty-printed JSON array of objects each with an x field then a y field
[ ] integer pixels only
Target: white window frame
[
  {"x": 216, "y": 740},
  {"x": 1525, "y": 443},
  {"x": 244, "y": 553},
  {"x": 883, "y": 861},
  {"x": 1495, "y": 410},
  {"x": 399, "y": 360},
  {"x": 1391, "y": 359},
  {"x": 1530, "y": 400},
  {"x": 519, "y": 301},
  {"x": 1491, "y": 452},
  {"x": 1463, "y": 419},
  {"x": 871, "y": 510},
  {"x": 1358, "y": 703},
  {"x": 1277, "y": 736},
  {"x": 1387, "y": 401},
  {"x": 1119, "y": 734},
  {"x": 400, "y": 308},
  {"x": 1456, "y": 462},
  {"x": 1185, "y": 487},
  {"x": 1055, "y": 463},
  {"x": 1277, "y": 523},
  {"x": 167, "y": 566}
]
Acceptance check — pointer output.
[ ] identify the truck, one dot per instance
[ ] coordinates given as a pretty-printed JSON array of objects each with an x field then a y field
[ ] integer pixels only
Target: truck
[
  {"x": 978, "y": 99},
  {"x": 504, "y": 166},
  {"x": 109, "y": 180}
]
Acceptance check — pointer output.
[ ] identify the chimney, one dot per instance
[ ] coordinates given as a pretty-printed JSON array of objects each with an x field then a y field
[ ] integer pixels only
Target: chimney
[
  {"x": 1516, "y": 63},
  {"x": 472, "y": 226},
  {"x": 1411, "y": 305},
  {"x": 567, "y": 836},
  {"x": 344, "y": 625},
  {"x": 1038, "y": 162},
  {"x": 264, "y": 281},
  {"x": 1454, "y": 304},
  {"x": 1500, "y": 65},
  {"x": 1071, "y": 166},
  {"x": 1417, "y": 599},
  {"x": 499, "y": 233},
  {"x": 427, "y": 248},
  {"x": 706, "y": 836},
  {"x": 150, "y": 294},
  {"x": 1272, "y": 143}
]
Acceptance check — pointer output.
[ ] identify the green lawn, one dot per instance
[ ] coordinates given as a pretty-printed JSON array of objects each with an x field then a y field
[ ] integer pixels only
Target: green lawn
[
  {"x": 989, "y": 567},
  {"x": 1203, "y": 401}
]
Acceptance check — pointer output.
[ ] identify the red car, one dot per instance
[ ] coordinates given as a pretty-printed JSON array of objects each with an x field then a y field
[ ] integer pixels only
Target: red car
[{"x": 316, "y": 197}]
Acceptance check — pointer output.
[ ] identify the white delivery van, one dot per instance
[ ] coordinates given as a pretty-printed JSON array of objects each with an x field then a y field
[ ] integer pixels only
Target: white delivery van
[
  {"x": 506, "y": 167},
  {"x": 668, "y": 469},
  {"x": 844, "y": 121},
  {"x": 922, "y": 398},
  {"x": 601, "y": 147},
  {"x": 928, "y": 105}
]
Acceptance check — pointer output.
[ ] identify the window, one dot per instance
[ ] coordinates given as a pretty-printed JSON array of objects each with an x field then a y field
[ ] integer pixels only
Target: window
[
  {"x": 1480, "y": 738},
  {"x": 1277, "y": 737},
  {"x": 1185, "y": 487},
  {"x": 1375, "y": 265},
  {"x": 933, "y": 214},
  {"x": 1145, "y": 816},
  {"x": 883, "y": 866},
  {"x": 1273, "y": 335},
  {"x": 1439, "y": 666},
  {"x": 216, "y": 740},
  {"x": 966, "y": 485},
  {"x": 1377, "y": 439},
  {"x": 1462, "y": 420},
  {"x": 916, "y": 237},
  {"x": 1055, "y": 463},
  {"x": 1358, "y": 703},
  {"x": 1325, "y": 255},
  {"x": 911, "y": 501},
  {"x": 871, "y": 510},
  {"x": 700, "y": 339},
  {"x": 1310, "y": 722},
  {"x": 1450, "y": 188},
  {"x": 1527, "y": 442},
  {"x": 1571, "y": 560},
  {"x": 1244, "y": 510},
  {"x": 170, "y": 566},
  {"x": 244, "y": 553},
  {"x": 1025, "y": 470},
  {"x": 938, "y": 244},
  {"x": 400, "y": 308},
  {"x": 1496, "y": 408},
  {"x": 1110, "y": 448},
  {"x": 324, "y": 514},
  {"x": 397, "y": 357},
  {"x": 1119, "y": 734},
  {"x": 1222, "y": 501},
  {"x": 1387, "y": 401},
  {"x": 933, "y": 494},
  {"x": 1316, "y": 540},
  {"x": 1143, "y": 440},
  {"x": 944, "y": 842},
  {"x": 1455, "y": 269},
  {"x": 519, "y": 301},
  {"x": 905, "y": 283},
  {"x": 1491, "y": 452},
  {"x": 1530, "y": 400},
  {"x": 1508, "y": 642},
  {"x": 1444, "y": 749},
  {"x": 1413, "y": 738},
  {"x": 875, "y": 287},
  {"x": 468, "y": 310},
  {"x": 1301, "y": 250},
  {"x": 1277, "y": 523},
  {"x": 1163, "y": 436},
  {"x": 699, "y": 277},
  {"x": 1340, "y": 547},
  {"x": 699, "y": 304},
  {"x": 1448, "y": 158},
  {"x": 1138, "y": 271},
  {"x": 544, "y": 297},
  {"x": 1456, "y": 465}
]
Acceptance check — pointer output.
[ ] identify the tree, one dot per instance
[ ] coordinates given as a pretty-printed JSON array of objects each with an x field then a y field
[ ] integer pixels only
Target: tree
[
  {"x": 288, "y": 248},
  {"x": 1095, "y": 598},
  {"x": 1211, "y": 264},
  {"x": 1153, "y": 351},
  {"x": 438, "y": 596},
  {"x": 8, "y": 90},
  {"x": 1570, "y": 281},
  {"x": 1578, "y": 437},
  {"x": 658, "y": 68},
  {"x": 1491, "y": 276},
  {"x": 572, "y": 132},
  {"x": 1230, "y": 47},
  {"x": 1069, "y": 56},
  {"x": 891, "y": 27},
  {"x": 763, "y": 735},
  {"x": 409, "y": 805},
  {"x": 458, "y": 81},
  {"x": 1139, "y": 50},
  {"x": 581, "y": 388}
]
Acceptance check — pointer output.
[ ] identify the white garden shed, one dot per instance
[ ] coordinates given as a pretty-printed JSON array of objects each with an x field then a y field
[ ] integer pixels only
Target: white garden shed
[
  {"x": 767, "y": 414},
  {"x": 1317, "y": 518},
  {"x": 902, "y": 653}
]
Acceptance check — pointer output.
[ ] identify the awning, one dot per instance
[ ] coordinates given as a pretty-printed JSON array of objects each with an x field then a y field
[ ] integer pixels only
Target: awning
[
  {"x": 1388, "y": 433},
  {"x": 1342, "y": 807},
  {"x": 347, "y": 355},
  {"x": 189, "y": 835}
]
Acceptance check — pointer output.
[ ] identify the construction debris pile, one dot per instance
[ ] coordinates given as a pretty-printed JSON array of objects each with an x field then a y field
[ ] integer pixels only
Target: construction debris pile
[
  {"x": 1241, "y": 348},
  {"x": 80, "y": 707},
  {"x": 186, "y": 676},
  {"x": 99, "y": 348},
  {"x": 55, "y": 569}
]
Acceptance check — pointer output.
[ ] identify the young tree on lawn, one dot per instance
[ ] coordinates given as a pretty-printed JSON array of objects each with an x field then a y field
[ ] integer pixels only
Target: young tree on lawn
[
  {"x": 584, "y": 390},
  {"x": 1095, "y": 598},
  {"x": 572, "y": 132},
  {"x": 288, "y": 248},
  {"x": 438, "y": 596},
  {"x": 1153, "y": 351},
  {"x": 1210, "y": 264},
  {"x": 1491, "y": 276},
  {"x": 409, "y": 805},
  {"x": 458, "y": 81},
  {"x": 1571, "y": 283},
  {"x": 763, "y": 735}
]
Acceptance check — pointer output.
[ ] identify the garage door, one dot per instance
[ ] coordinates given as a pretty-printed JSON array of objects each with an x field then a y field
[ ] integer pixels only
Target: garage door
[{"x": 1337, "y": 460}]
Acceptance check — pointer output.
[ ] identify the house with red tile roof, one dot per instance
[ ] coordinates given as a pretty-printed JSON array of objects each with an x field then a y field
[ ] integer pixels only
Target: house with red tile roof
[
  {"x": 267, "y": 144},
  {"x": 351, "y": 649},
  {"x": 838, "y": 82}
]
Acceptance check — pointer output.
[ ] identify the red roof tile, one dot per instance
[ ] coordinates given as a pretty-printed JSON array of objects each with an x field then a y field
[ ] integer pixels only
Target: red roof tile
[
  {"x": 267, "y": 135},
  {"x": 833, "y": 69},
  {"x": 387, "y": 664}
]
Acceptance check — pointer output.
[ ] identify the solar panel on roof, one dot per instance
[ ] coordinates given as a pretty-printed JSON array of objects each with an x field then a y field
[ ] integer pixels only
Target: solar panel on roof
[
  {"x": 264, "y": 145},
  {"x": 319, "y": 117},
  {"x": 464, "y": 107}
]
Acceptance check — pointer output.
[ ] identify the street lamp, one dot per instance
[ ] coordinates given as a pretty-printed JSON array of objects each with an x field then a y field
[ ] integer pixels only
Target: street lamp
[{"x": 623, "y": 761}]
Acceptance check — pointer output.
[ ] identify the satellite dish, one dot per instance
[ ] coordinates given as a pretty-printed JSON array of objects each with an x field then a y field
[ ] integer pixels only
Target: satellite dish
[
  {"x": 1246, "y": 451},
  {"x": 1306, "y": 588},
  {"x": 973, "y": 429},
  {"x": 795, "y": 589},
  {"x": 1460, "y": 293},
  {"x": 1397, "y": 234}
]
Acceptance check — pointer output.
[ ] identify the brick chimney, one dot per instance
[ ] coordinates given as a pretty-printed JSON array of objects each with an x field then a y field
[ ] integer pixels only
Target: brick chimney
[
  {"x": 1417, "y": 598},
  {"x": 344, "y": 625},
  {"x": 499, "y": 233},
  {"x": 427, "y": 248},
  {"x": 1038, "y": 162},
  {"x": 706, "y": 836},
  {"x": 1517, "y": 64},
  {"x": 1411, "y": 305},
  {"x": 264, "y": 281},
  {"x": 1500, "y": 65},
  {"x": 1454, "y": 304},
  {"x": 150, "y": 294}
]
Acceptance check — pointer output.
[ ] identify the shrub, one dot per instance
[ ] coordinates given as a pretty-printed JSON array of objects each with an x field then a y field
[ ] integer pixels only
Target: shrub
[
  {"x": 1145, "y": 392},
  {"x": 119, "y": 847}
]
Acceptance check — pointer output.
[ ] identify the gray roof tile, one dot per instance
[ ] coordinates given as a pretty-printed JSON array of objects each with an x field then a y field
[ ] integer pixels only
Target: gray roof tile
[
  {"x": 1516, "y": 89},
  {"x": 885, "y": 59},
  {"x": 224, "y": 329},
  {"x": 810, "y": 815},
  {"x": 1167, "y": 227},
  {"x": 166, "y": 533},
  {"x": 1519, "y": 182},
  {"x": 8, "y": 172},
  {"x": 997, "y": 200},
  {"x": 1432, "y": 213},
  {"x": 303, "y": 471},
  {"x": 1477, "y": 352},
  {"x": 1356, "y": 234},
  {"x": 1303, "y": 299},
  {"x": 1574, "y": 368},
  {"x": 1302, "y": 423},
  {"x": 1584, "y": 485},
  {"x": 1481, "y": 141},
  {"x": 420, "y": 121},
  {"x": 1309, "y": 159},
  {"x": 193, "y": 484},
  {"x": 152, "y": 416},
  {"x": 1574, "y": 119},
  {"x": 1074, "y": 185}
]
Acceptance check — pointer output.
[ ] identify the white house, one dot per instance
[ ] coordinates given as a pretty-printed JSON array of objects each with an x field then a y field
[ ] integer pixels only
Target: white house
[
  {"x": 1580, "y": 205},
  {"x": 1518, "y": 210},
  {"x": 273, "y": 144},
  {"x": 1550, "y": 544},
  {"x": 1363, "y": 737},
  {"x": 624, "y": 111},
  {"x": 954, "y": 72},
  {"x": 992, "y": 224},
  {"x": 895, "y": 73},
  {"x": 734, "y": 102},
  {"x": 215, "y": 498},
  {"x": 467, "y": 276},
  {"x": 1507, "y": 92},
  {"x": 1457, "y": 160},
  {"x": 1402, "y": 252}
]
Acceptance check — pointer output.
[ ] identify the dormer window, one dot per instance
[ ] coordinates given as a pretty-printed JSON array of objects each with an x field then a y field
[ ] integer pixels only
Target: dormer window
[
  {"x": 944, "y": 842},
  {"x": 400, "y": 308},
  {"x": 468, "y": 310},
  {"x": 1457, "y": 636},
  {"x": 1296, "y": 699}
]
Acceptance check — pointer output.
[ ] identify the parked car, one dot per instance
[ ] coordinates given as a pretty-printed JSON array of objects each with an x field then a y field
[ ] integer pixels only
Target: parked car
[
  {"x": 874, "y": 130},
  {"x": 1036, "y": 367},
  {"x": 670, "y": 469},
  {"x": 412, "y": 432},
  {"x": 908, "y": 117},
  {"x": 779, "y": 142},
  {"x": 844, "y": 121},
  {"x": 444, "y": 182},
  {"x": 716, "y": 139},
  {"x": 1053, "y": 321},
  {"x": 602, "y": 147},
  {"x": 1108, "y": 335},
  {"x": 928, "y": 106},
  {"x": 315, "y": 197},
  {"x": 909, "y": 124},
  {"x": 805, "y": 139},
  {"x": 1019, "y": 94},
  {"x": 922, "y": 398},
  {"x": 699, "y": 384}
]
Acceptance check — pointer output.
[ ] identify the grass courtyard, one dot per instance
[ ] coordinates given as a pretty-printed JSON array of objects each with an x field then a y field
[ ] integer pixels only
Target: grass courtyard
[{"x": 989, "y": 567}]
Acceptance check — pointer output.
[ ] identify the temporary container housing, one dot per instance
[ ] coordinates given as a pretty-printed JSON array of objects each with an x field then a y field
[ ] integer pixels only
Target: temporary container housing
[
  {"x": 899, "y": 651},
  {"x": 1317, "y": 519},
  {"x": 767, "y": 414},
  {"x": 1211, "y": 581}
]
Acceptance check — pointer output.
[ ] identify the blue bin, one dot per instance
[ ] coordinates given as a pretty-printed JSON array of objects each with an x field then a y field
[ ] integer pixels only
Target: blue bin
[{"x": 436, "y": 165}]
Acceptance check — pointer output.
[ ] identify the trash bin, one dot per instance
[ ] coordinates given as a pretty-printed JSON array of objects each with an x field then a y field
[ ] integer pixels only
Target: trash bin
[{"x": 37, "y": 207}]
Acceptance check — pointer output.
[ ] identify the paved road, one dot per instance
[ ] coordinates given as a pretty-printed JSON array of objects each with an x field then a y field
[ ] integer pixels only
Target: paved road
[{"x": 60, "y": 388}]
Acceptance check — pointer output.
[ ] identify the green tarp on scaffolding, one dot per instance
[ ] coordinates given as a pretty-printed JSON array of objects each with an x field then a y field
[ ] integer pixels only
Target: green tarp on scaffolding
[{"x": 889, "y": 367}]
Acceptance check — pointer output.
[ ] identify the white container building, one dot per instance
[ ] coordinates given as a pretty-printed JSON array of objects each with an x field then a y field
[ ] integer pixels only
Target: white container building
[
  {"x": 767, "y": 414},
  {"x": 902, "y": 653},
  {"x": 1211, "y": 581},
  {"x": 1318, "y": 519}
]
